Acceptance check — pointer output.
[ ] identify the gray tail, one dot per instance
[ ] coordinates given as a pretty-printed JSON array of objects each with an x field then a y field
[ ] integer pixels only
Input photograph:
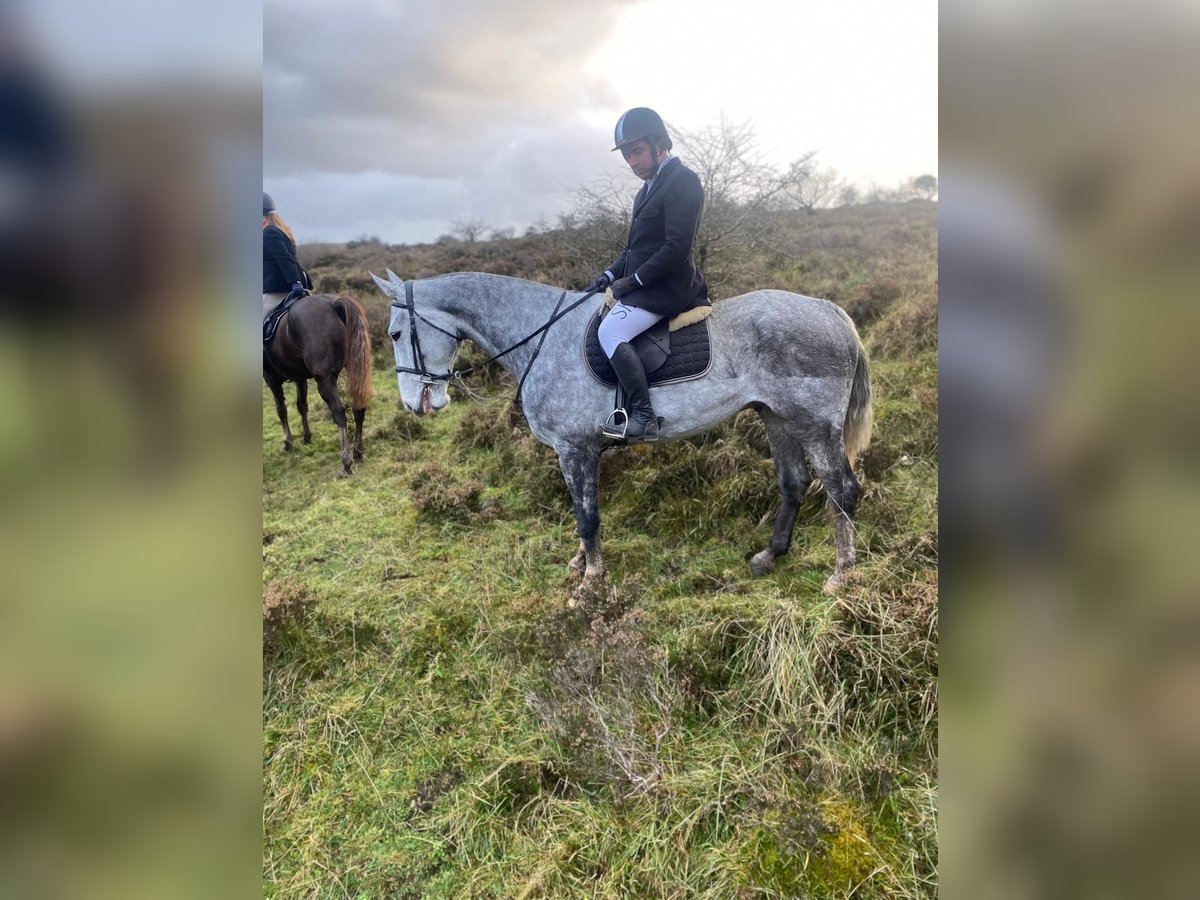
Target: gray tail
[{"x": 856, "y": 433}]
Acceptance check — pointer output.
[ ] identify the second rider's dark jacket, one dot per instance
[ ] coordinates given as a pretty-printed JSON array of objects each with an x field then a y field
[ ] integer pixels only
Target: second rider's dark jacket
[
  {"x": 281, "y": 268},
  {"x": 659, "y": 250}
]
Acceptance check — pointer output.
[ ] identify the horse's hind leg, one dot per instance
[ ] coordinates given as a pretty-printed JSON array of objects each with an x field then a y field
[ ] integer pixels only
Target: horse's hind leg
[
  {"x": 327, "y": 386},
  {"x": 359, "y": 416},
  {"x": 794, "y": 479},
  {"x": 275, "y": 383},
  {"x": 842, "y": 489},
  {"x": 581, "y": 470},
  {"x": 302, "y": 406}
]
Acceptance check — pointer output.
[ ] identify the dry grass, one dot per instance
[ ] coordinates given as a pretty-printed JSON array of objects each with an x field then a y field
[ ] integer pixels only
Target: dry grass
[{"x": 910, "y": 327}]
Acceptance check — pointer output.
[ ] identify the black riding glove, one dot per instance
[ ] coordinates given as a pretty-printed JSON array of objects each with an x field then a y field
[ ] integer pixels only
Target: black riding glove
[
  {"x": 599, "y": 284},
  {"x": 623, "y": 286}
]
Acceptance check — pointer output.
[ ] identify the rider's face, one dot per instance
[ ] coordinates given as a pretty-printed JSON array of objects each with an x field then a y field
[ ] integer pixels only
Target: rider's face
[{"x": 640, "y": 159}]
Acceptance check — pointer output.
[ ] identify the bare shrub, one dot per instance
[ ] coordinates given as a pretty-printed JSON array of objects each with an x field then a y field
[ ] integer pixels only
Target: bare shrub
[
  {"x": 482, "y": 427},
  {"x": 402, "y": 426},
  {"x": 284, "y": 604},
  {"x": 437, "y": 495},
  {"x": 873, "y": 300},
  {"x": 607, "y": 704}
]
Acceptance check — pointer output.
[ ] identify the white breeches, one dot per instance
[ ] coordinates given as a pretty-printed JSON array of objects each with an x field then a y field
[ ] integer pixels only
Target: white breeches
[
  {"x": 270, "y": 301},
  {"x": 623, "y": 323}
]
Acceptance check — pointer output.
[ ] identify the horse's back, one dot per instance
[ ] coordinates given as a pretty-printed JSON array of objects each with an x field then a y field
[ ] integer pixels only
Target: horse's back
[
  {"x": 775, "y": 319},
  {"x": 316, "y": 334}
]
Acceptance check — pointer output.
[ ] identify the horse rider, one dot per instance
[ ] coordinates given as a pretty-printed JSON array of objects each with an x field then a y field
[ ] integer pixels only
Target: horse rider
[
  {"x": 281, "y": 267},
  {"x": 655, "y": 276}
]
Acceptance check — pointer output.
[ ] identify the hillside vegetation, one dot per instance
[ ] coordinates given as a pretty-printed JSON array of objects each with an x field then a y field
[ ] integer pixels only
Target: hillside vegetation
[{"x": 438, "y": 723}]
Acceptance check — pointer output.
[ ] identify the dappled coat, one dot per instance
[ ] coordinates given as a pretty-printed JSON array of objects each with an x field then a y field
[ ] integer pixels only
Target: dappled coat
[{"x": 659, "y": 251}]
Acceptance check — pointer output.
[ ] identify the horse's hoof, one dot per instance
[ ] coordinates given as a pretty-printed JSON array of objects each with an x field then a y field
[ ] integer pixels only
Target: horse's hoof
[
  {"x": 835, "y": 583},
  {"x": 346, "y": 472},
  {"x": 358, "y": 455},
  {"x": 287, "y": 447},
  {"x": 577, "y": 566},
  {"x": 308, "y": 439},
  {"x": 762, "y": 564}
]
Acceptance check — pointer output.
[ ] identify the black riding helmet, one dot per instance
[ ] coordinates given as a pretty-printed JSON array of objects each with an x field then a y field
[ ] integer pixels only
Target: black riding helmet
[
  {"x": 268, "y": 204},
  {"x": 640, "y": 123}
]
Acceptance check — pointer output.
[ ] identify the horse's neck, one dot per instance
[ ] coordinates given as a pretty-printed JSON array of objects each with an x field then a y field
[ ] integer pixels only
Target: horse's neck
[{"x": 497, "y": 314}]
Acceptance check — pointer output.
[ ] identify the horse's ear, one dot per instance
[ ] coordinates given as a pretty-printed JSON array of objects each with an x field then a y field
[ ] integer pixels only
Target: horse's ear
[
  {"x": 393, "y": 277},
  {"x": 386, "y": 286}
]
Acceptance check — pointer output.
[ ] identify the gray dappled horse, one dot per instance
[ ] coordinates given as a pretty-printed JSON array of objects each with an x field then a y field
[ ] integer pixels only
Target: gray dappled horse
[
  {"x": 798, "y": 362},
  {"x": 318, "y": 337}
]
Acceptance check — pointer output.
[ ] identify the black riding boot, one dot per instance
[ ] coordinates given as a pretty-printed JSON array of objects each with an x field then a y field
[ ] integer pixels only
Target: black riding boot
[{"x": 641, "y": 423}]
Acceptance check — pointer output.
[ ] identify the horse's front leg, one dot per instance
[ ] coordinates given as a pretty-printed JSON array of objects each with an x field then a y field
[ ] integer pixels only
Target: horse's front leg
[
  {"x": 581, "y": 470},
  {"x": 275, "y": 383}
]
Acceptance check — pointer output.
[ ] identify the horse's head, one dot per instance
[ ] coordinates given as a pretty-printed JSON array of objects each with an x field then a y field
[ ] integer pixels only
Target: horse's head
[{"x": 424, "y": 349}]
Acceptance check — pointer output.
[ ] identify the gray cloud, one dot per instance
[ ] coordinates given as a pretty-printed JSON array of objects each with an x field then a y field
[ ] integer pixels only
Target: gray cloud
[
  {"x": 422, "y": 88},
  {"x": 395, "y": 119}
]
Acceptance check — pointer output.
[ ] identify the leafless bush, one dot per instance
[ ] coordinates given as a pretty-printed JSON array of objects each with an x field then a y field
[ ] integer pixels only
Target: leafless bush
[
  {"x": 873, "y": 300},
  {"x": 437, "y": 494},
  {"x": 608, "y": 706},
  {"x": 284, "y": 604}
]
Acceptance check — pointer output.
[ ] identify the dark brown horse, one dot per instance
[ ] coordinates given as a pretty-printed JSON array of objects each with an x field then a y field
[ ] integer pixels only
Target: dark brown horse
[{"x": 318, "y": 337}]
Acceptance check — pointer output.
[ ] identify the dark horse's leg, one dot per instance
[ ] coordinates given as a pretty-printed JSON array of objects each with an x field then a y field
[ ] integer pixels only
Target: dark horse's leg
[
  {"x": 275, "y": 382},
  {"x": 788, "y": 453},
  {"x": 581, "y": 470},
  {"x": 359, "y": 415},
  {"x": 302, "y": 406},
  {"x": 327, "y": 386}
]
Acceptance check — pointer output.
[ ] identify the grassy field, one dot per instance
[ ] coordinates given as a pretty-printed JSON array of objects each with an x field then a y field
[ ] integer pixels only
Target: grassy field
[{"x": 437, "y": 722}]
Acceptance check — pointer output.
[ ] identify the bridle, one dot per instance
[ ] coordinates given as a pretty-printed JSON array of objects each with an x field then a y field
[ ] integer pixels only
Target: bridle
[{"x": 428, "y": 379}]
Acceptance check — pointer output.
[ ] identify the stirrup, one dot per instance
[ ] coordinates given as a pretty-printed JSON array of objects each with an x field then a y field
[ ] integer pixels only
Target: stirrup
[{"x": 610, "y": 429}]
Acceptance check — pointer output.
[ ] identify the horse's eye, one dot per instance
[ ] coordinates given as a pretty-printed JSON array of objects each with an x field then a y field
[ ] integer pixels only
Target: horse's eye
[{"x": 394, "y": 335}]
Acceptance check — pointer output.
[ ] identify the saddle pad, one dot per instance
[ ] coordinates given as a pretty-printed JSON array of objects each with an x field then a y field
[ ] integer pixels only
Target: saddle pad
[
  {"x": 689, "y": 356},
  {"x": 271, "y": 324}
]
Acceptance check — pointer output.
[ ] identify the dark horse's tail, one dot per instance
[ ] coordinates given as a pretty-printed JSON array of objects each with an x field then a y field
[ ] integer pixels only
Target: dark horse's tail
[
  {"x": 856, "y": 433},
  {"x": 358, "y": 351}
]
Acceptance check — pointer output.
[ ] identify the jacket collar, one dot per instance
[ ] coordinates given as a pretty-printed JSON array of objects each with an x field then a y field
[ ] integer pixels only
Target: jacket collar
[{"x": 664, "y": 174}]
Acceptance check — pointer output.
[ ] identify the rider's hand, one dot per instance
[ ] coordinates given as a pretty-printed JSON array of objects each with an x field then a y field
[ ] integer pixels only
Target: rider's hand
[
  {"x": 599, "y": 284},
  {"x": 623, "y": 286}
]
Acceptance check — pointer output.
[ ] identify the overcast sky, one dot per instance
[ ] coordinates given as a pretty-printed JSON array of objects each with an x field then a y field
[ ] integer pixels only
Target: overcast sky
[{"x": 395, "y": 117}]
